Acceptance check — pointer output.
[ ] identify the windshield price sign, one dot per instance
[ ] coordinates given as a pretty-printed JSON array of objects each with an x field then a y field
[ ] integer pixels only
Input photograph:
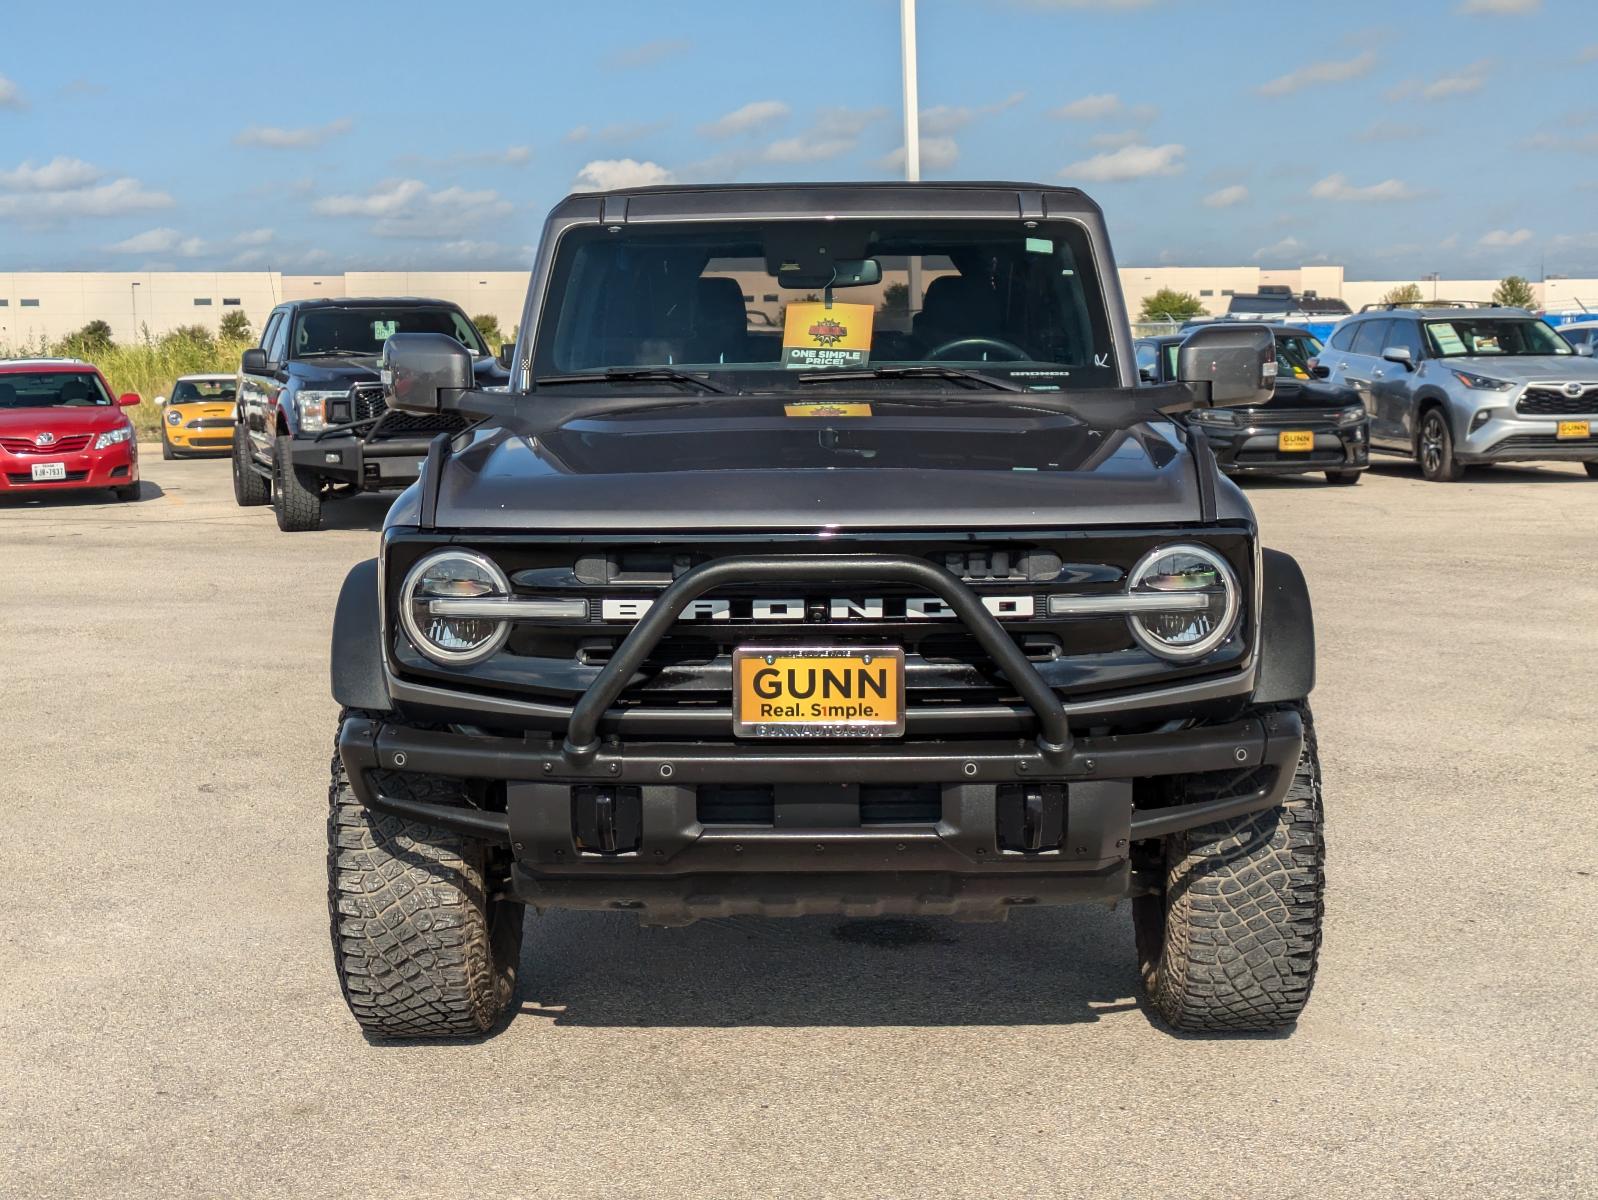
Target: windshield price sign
[{"x": 818, "y": 335}]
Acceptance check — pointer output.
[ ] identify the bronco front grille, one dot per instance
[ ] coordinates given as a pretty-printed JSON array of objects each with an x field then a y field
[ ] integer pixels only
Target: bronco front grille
[
  {"x": 368, "y": 403},
  {"x": 1553, "y": 402}
]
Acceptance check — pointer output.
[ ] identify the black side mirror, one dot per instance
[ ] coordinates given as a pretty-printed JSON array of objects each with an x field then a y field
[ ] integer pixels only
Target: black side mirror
[
  {"x": 1146, "y": 375},
  {"x": 254, "y": 362},
  {"x": 424, "y": 372},
  {"x": 1229, "y": 364},
  {"x": 1400, "y": 355},
  {"x": 507, "y": 355},
  {"x": 1320, "y": 370}
]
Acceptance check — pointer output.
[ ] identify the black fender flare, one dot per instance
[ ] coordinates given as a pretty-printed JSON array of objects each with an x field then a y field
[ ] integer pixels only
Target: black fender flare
[
  {"x": 1287, "y": 632},
  {"x": 357, "y": 660}
]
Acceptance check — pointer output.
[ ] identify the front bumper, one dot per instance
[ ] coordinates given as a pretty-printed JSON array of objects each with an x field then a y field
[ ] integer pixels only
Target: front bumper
[
  {"x": 1252, "y": 447},
  {"x": 115, "y": 466},
  {"x": 818, "y": 852},
  {"x": 377, "y": 465},
  {"x": 199, "y": 441},
  {"x": 1514, "y": 437}
]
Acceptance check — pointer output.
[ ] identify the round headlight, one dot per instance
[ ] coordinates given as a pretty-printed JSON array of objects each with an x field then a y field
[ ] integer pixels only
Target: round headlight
[
  {"x": 1187, "y": 575},
  {"x": 453, "y": 575},
  {"x": 174, "y": 417}
]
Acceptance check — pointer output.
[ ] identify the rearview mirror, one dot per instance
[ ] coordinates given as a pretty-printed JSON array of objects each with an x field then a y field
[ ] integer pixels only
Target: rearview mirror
[
  {"x": 253, "y": 362},
  {"x": 844, "y": 272},
  {"x": 1228, "y": 364},
  {"x": 129, "y": 400},
  {"x": 424, "y": 372},
  {"x": 1400, "y": 355}
]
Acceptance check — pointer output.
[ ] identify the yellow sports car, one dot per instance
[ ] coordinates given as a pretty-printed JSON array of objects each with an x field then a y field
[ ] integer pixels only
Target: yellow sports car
[{"x": 198, "y": 417}]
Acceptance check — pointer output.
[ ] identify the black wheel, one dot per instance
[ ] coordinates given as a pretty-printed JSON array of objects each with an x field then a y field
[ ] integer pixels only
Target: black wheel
[
  {"x": 1435, "y": 448},
  {"x": 1230, "y": 944},
  {"x": 130, "y": 492},
  {"x": 1343, "y": 478},
  {"x": 1591, "y": 469},
  {"x": 422, "y": 947},
  {"x": 296, "y": 497},
  {"x": 166, "y": 447},
  {"x": 249, "y": 489}
]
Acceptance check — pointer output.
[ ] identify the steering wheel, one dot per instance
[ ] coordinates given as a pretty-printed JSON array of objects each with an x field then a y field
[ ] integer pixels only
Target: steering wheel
[{"x": 1010, "y": 351}]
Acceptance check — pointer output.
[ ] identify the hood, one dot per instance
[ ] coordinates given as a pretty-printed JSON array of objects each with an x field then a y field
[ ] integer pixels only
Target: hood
[
  {"x": 925, "y": 462},
  {"x": 26, "y": 422},
  {"x": 202, "y": 408},
  {"x": 1527, "y": 368}
]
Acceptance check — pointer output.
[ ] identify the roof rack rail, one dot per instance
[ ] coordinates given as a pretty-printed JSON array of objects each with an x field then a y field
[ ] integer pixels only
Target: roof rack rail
[{"x": 1390, "y": 305}]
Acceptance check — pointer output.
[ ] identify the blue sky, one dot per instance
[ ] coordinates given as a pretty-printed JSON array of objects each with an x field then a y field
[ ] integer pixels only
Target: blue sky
[{"x": 1458, "y": 136}]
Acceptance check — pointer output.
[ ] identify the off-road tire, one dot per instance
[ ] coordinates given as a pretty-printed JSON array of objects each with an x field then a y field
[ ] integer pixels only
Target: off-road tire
[
  {"x": 1344, "y": 478},
  {"x": 1230, "y": 945},
  {"x": 249, "y": 488},
  {"x": 1434, "y": 448},
  {"x": 1591, "y": 468},
  {"x": 166, "y": 447},
  {"x": 422, "y": 949},
  {"x": 130, "y": 492},
  {"x": 297, "y": 502}
]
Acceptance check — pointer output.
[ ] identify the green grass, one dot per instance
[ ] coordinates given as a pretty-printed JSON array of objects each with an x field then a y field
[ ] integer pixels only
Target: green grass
[{"x": 148, "y": 368}]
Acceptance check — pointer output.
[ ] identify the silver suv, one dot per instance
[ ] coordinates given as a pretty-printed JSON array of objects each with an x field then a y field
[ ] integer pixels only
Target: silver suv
[{"x": 1456, "y": 386}]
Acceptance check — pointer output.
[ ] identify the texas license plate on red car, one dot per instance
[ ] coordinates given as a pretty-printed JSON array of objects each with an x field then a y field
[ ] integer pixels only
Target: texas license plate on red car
[{"x": 43, "y": 472}]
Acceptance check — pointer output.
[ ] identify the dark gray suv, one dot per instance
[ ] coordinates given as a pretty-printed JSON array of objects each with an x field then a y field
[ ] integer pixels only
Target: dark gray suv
[{"x": 1454, "y": 387}]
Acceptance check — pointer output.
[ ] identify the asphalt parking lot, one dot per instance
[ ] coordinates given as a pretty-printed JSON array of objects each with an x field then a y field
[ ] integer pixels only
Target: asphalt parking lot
[{"x": 173, "y": 1027}]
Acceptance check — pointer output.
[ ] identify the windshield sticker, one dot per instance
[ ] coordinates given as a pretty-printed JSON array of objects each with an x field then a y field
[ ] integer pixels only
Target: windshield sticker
[
  {"x": 817, "y": 335},
  {"x": 827, "y": 410},
  {"x": 1447, "y": 339},
  {"x": 383, "y": 330}
]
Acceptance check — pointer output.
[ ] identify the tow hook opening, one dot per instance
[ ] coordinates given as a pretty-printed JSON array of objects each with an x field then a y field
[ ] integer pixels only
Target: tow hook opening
[
  {"x": 1031, "y": 817},
  {"x": 607, "y": 821}
]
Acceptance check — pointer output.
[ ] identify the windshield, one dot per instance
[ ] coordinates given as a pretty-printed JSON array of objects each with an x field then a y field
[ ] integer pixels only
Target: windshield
[
  {"x": 1492, "y": 336},
  {"x": 52, "y": 389},
  {"x": 750, "y": 303},
  {"x": 198, "y": 391},
  {"x": 361, "y": 332}
]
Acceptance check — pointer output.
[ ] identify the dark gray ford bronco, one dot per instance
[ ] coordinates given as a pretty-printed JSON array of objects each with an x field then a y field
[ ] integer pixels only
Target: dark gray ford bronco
[{"x": 824, "y": 556}]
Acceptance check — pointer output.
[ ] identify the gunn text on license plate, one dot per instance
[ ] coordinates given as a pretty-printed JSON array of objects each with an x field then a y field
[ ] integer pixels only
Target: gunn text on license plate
[
  {"x": 1295, "y": 439},
  {"x": 42, "y": 471},
  {"x": 1572, "y": 430},
  {"x": 818, "y": 691}
]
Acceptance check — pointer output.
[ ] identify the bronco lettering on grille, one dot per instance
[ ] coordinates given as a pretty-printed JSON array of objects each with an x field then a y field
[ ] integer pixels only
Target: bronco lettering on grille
[{"x": 832, "y": 610}]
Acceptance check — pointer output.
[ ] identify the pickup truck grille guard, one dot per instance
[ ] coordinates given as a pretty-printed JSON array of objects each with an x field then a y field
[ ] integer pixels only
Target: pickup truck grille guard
[{"x": 1083, "y": 785}]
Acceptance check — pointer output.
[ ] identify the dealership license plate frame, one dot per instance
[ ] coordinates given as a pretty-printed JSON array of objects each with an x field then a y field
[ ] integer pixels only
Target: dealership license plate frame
[
  {"x": 1573, "y": 431},
  {"x": 1295, "y": 441},
  {"x": 752, "y": 726},
  {"x": 49, "y": 472}
]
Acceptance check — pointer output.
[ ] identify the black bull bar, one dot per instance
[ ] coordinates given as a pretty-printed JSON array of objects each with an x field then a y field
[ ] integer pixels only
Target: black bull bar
[{"x": 1262, "y": 750}]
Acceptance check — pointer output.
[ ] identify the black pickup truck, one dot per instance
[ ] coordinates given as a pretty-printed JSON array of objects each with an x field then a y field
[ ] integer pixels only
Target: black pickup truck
[
  {"x": 876, "y": 608},
  {"x": 311, "y": 421}
]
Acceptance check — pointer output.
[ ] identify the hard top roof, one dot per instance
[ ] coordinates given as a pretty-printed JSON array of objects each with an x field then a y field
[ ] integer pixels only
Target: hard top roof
[
  {"x": 1444, "y": 312},
  {"x": 972, "y": 199},
  {"x": 46, "y": 364},
  {"x": 372, "y": 302}
]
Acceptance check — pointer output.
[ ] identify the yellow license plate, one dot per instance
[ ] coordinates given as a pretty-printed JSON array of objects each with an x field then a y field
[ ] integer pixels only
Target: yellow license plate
[
  {"x": 1571, "y": 430},
  {"x": 818, "y": 692},
  {"x": 1295, "y": 439}
]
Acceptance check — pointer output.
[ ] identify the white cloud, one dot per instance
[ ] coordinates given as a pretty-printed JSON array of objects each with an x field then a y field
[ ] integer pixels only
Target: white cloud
[
  {"x": 1470, "y": 78},
  {"x": 11, "y": 95},
  {"x": 578, "y": 133},
  {"x": 1279, "y": 251},
  {"x": 1588, "y": 54},
  {"x": 114, "y": 198},
  {"x": 58, "y": 174},
  {"x": 254, "y": 237},
  {"x": 937, "y": 154},
  {"x": 1089, "y": 108},
  {"x": 943, "y": 119},
  {"x": 1383, "y": 130},
  {"x": 647, "y": 54},
  {"x": 1500, "y": 8},
  {"x": 1115, "y": 138},
  {"x": 159, "y": 241},
  {"x": 754, "y": 117},
  {"x": 835, "y": 131},
  {"x": 603, "y": 174},
  {"x": 1337, "y": 187},
  {"x": 1227, "y": 196},
  {"x": 1129, "y": 162},
  {"x": 277, "y": 138},
  {"x": 405, "y": 208},
  {"x": 1500, "y": 238},
  {"x": 1332, "y": 71}
]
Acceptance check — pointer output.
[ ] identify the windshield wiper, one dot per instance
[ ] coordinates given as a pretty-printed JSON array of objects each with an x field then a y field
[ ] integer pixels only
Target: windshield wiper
[
  {"x": 634, "y": 375},
  {"x": 961, "y": 375}
]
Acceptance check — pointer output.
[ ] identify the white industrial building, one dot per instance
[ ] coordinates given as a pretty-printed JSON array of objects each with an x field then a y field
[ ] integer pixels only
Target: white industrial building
[{"x": 42, "y": 306}]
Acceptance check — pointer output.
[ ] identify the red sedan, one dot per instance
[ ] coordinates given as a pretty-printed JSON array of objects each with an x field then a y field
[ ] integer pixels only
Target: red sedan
[{"x": 61, "y": 430}]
